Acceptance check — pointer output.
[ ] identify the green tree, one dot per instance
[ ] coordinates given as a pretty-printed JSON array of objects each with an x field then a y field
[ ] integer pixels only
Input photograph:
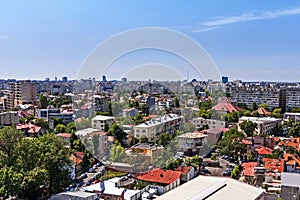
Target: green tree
[
  {"x": 118, "y": 133},
  {"x": 43, "y": 101},
  {"x": 176, "y": 102},
  {"x": 295, "y": 130},
  {"x": 164, "y": 139},
  {"x": 60, "y": 128},
  {"x": 248, "y": 127},
  {"x": 235, "y": 172},
  {"x": 70, "y": 127},
  {"x": 276, "y": 113},
  {"x": 254, "y": 106},
  {"x": 42, "y": 123}
]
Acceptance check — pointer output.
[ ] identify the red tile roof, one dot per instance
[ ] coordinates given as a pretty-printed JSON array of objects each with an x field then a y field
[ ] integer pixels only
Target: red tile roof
[
  {"x": 291, "y": 159},
  {"x": 247, "y": 142},
  {"x": 274, "y": 164},
  {"x": 226, "y": 106},
  {"x": 64, "y": 135},
  {"x": 262, "y": 150},
  {"x": 159, "y": 176},
  {"x": 184, "y": 170},
  {"x": 31, "y": 127},
  {"x": 293, "y": 142},
  {"x": 248, "y": 168}
]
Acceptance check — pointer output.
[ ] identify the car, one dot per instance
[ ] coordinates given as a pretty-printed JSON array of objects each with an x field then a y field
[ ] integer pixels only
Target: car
[
  {"x": 91, "y": 170},
  {"x": 95, "y": 167},
  {"x": 99, "y": 164},
  {"x": 88, "y": 182},
  {"x": 227, "y": 172},
  {"x": 206, "y": 171},
  {"x": 129, "y": 175},
  {"x": 95, "y": 181},
  {"x": 84, "y": 175},
  {"x": 80, "y": 184},
  {"x": 123, "y": 178}
]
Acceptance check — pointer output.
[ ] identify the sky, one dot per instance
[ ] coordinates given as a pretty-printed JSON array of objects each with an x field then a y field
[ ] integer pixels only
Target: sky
[{"x": 250, "y": 40}]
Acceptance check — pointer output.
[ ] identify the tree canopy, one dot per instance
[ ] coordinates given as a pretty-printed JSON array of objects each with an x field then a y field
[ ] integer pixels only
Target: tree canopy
[{"x": 31, "y": 166}]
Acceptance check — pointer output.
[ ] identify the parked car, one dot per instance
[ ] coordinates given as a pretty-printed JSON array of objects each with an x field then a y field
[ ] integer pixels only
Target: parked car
[
  {"x": 80, "y": 184},
  {"x": 99, "y": 164},
  {"x": 123, "y": 178},
  {"x": 95, "y": 181},
  {"x": 206, "y": 171},
  {"x": 89, "y": 182},
  {"x": 129, "y": 175},
  {"x": 227, "y": 172},
  {"x": 91, "y": 170},
  {"x": 84, "y": 175}
]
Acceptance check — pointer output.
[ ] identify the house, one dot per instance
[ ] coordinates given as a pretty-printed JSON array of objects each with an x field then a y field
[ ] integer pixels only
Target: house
[
  {"x": 9, "y": 118},
  {"x": 161, "y": 177},
  {"x": 187, "y": 173},
  {"x": 275, "y": 165},
  {"x": 263, "y": 151},
  {"x": 102, "y": 122},
  {"x": 291, "y": 163},
  {"x": 65, "y": 137},
  {"x": 148, "y": 150},
  {"x": 77, "y": 158},
  {"x": 130, "y": 112},
  {"x": 248, "y": 171},
  {"x": 30, "y": 130},
  {"x": 263, "y": 112},
  {"x": 191, "y": 143},
  {"x": 214, "y": 134},
  {"x": 292, "y": 142},
  {"x": 210, "y": 123},
  {"x": 226, "y": 106}
]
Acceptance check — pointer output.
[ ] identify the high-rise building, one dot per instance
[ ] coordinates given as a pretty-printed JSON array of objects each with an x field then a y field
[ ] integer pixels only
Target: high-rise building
[{"x": 21, "y": 92}]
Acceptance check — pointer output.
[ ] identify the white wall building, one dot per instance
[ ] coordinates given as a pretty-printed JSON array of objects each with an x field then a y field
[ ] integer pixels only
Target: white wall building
[{"x": 100, "y": 121}]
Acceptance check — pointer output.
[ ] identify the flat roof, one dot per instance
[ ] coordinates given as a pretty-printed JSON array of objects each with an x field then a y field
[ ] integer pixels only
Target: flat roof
[
  {"x": 102, "y": 117},
  {"x": 192, "y": 135},
  {"x": 213, "y": 188}
]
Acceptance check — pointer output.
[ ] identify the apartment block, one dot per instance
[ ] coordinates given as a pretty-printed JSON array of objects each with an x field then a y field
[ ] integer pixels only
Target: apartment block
[
  {"x": 21, "y": 92},
  {"x": 211, "y": 123},
  {"x": 100, "y": 122}
]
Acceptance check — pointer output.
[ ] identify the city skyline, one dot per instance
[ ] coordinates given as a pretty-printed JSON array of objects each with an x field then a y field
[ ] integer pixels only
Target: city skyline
[{"x": 40, "y": 40}]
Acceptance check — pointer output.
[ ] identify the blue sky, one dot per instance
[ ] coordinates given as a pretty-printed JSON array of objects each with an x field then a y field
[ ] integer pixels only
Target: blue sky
[{"x": 248, "y": 40}]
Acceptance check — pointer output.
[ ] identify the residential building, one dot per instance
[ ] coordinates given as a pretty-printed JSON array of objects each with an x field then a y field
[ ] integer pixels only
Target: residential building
[
  {"x": 48, "y": 113},
  {"x": 227, "y": 106},
  {"x": 77, "y": 195},
  {"x": 293, "y": 142},
  {"x": 164, "y": 124},
  {"x": 248, "y": 172},
  {"x": 291, "y": 163},
  {"x": 265, "y": 125},
  {"x": 148, "y": 150},
  {"x": 191, "y": 143},
  {"x": 290, "y": 186},
  {"x": 214, "y": 134},
  {"x": 102, "y": 122},
  {"x": 65, "y": 137},
  {"x": 130, "y": 112},
  {"x": 187, "y": 173},
  {"x": 9, "y": 118},
  {"x": 161, "y": 177},
  {"x": 209, "y": 123},
  {"x": 21, "y": 92},
  {"x": 101, "y": 103},
  {"x": 293, "y": 117},
  {"x": 263, "y": 151},
  {"x": 30, "y": 130}
]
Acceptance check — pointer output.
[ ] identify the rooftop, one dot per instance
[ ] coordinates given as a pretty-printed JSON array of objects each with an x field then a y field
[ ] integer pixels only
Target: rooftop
[
  {"x": 213, "y": 188},
  {"x": 159, "y": 176}
]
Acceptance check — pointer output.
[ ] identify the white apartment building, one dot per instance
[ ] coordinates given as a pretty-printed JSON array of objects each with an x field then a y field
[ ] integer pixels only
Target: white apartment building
[
  {"x": 265, "y": 125},
  {"x": 191, "y": 142},
  {"x": 100, "y": 121},
  {"x": 211, "y": 123},
  {"x": 165, "y": 124},
  {"x": 9, "y": 118}
]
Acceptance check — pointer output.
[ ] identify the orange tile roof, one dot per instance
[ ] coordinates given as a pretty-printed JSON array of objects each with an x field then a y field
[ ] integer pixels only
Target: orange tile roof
[
  {"x": 263, "y": 111},
  {"x": 184, "y": 170},
  {"x": 293, "y": 142},
  {"x": 159, "y": 176},
  {"x": 291, "y": 159},
  {"x": 247, "y": 142},
  {"x": 262, "y": 150},
  {"x": 31, "y": 127},
  {"x": 274, "y": 164},
  {"x": 248, "y": 168}
]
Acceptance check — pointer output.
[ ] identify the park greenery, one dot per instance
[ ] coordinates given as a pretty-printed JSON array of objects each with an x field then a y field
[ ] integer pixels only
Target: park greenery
[{"x": 32, "y": 167}]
